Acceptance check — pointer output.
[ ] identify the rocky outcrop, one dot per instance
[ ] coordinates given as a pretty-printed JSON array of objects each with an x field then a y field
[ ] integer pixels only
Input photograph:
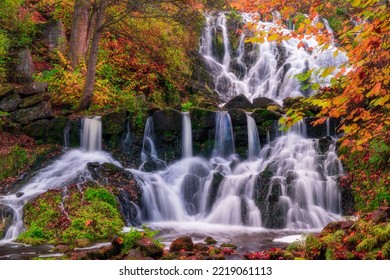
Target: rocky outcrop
[
  {"x": 6, "y": 217},
  {"x": 182, "y": 243},
  {"x": 54, "y": 36},
  {"x": 238, "y": 102},
  {"x": 24, "y": 69}
]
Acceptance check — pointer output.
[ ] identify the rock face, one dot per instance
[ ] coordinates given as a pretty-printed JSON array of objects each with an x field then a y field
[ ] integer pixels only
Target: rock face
[
  {"x": 239, "y": 102},
  {"x": 40, "y": 111},
  {"x": 24, "y": 69},
  {"x": 54, "y": 36}
]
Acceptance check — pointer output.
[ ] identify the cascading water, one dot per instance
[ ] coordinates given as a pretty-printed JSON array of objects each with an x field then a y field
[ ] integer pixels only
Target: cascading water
[
  {"x": 149, "y": 152},
  {"x": 261, "y": 69},
  {"x": 287, "y": 183},
  {"x": 253, "y": 138},
  {"x": 224, "y": 140},
  {"x": 69, "y": 168},
  {"x": 187, "y": 135},
  {"x": 91, "y": 134}
]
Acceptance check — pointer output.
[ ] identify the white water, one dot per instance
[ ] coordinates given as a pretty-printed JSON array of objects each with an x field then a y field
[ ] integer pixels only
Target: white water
[
  {"x": 70, "y": 168},
  {"x": 187, "y": 135},
  {"x": 253, "y": 138},
  {"x": 149, "y": 151},
  {"x": 224, "y": 140},
  {"x": 261, "y": 69},
  {"x": 91, "y": 134}
]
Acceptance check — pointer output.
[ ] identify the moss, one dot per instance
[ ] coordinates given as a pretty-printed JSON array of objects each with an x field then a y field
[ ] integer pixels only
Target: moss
[{"x": 94, "y": 216}]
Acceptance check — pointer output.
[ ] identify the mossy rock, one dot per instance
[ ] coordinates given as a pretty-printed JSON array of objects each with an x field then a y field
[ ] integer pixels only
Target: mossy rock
[{"x": 264, "y": 115}]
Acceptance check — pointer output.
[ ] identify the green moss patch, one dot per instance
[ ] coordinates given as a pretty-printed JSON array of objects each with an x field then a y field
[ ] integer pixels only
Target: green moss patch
[{"x": 92, "y": 214}]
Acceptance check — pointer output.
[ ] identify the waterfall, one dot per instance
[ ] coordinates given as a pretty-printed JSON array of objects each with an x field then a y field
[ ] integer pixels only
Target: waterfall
[
  {"x": 224, "y": 141},
  {"x": 253, "y": 138},
  {"x": 186, "y": 135},
  {"x": 91, "y": 134},
  {"x": 71, "y": 167},
  {"x": 261, "y": 69},
  {"x": 66, "y": 135},
  {"x": 149, "y": 152}
]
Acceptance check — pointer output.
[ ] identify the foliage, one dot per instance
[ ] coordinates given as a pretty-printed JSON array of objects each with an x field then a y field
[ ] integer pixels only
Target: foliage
[
  {"x": 130, "y": 239},
  {"x": 94, "y": 216},
  {"x": 186, "y": 106},
  {"x": 4, "y": 46},
  {"x": 14, "y": 161},
  {"x": 17, "y": 22}
]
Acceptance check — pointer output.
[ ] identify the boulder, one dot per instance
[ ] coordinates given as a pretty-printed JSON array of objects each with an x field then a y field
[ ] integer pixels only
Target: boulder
[
  {"x": 238, "y": 117},
  {"x": 54, "y": 36},
  {"x": 34, "y": 99},
  {"x": 209, "y": 240},
  {"x": 380, "y": 215},
  {"x": 238, "y": 102},
  {"x": 182, "y": 243},
  {"x": 324, "y": 143},
  {"x": 5, "y": 91},
  {"x": 40, "y": 111},
  {"x": 114, "y": 127},
  {"x": 24, "y": 69},
  {"x": 202, "y": 247},
  {"x": 149, "y": 248},
  {"x": 10, "y": 103},
  {"x": 31, "y": 88},
  {"x": 263, "y": 115},
  {"x": 6, "y": 217},
  {"x": 36, "y": 129},
  {"x": 263, "y": 102},
  {"x": 202, "y": 118}
]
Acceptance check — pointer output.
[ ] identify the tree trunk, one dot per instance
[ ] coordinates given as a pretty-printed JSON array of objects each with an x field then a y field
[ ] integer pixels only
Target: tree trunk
[
  {"x": 79, "y": 37},
  {"x": 86, "y": 98}
]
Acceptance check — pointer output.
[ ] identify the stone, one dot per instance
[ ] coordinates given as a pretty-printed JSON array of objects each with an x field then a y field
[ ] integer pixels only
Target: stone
[
  {"x": 31, "y": 88},
  {"x": 54, "y": 36},
  {"x": 167, "y": 120},
  {"x": 10, "y": 103},
  {"x": 229, "y": 245},
  {"x": 209, "y": 240},
  {"x": 202, "y": 247},
  {"x": 149, "y": 248},
  {"x": 202, "y": 118},
  {"x": 263, "y": 102},
  {"x": 62, "y": 248},
  {"x": 238, "y": 102},
  {"x": 135, "y": 254},
  {"x": 36, "y": 129},
  {"x": 263, "y": 115},
  {"x": 182, "y": 243},
  {"x": 24, "y": 69},
  {"x": 6, "y": 218},
  {"x": 40, "y": 111},
  {"x": 34, "y": 99},
  {"x": 114, "y": 127},
  {"x": 324, "y": 144},
  {"x": 5, "y": 91}
]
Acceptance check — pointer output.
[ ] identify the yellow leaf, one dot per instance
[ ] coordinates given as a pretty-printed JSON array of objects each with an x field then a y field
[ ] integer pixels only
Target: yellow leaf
[
  {"x": 327, "y": 71},
  {"x": 319, "y": 25},
  {"x": 375, "y": 90},
  {"x": 355, "y": 3},
  {"x": 273, "y": 37},
  {"x": 336, "y": 53}
]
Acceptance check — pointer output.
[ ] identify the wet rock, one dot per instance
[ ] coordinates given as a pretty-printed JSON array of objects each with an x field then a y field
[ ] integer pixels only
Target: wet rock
[
  {"x": 334, "y": 226},
  {"x": 31, "y": 88},
  {"x": 114, "y": 127},
  {"x": 202, "y": 247},
  {"x": 47, "y": 131},
  {"x": 238, "y": 102},
  {"x": 10, "y": 103},
  {"x": 228, "y": 245},
  {"x": 149, "y": 248},
  {"x": 34, "y": 99},
  {"x": 152, "y": 108},
  {"x": 209, "y": 240},
  {"x": 167, "y": 120},
  {"x": 263, "y": 115},
  {"x": 19, "y": 194},
  {"x": 6, "y": 218},
  {"x": 202, "y": 118},
  {"x": 213, "y": 192},
  {"x": 263, "y": 102},
  {"x": 41, "y": 111},
  {"x": 182, "y": 243},
  {"x": 24, "y": 69}
]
